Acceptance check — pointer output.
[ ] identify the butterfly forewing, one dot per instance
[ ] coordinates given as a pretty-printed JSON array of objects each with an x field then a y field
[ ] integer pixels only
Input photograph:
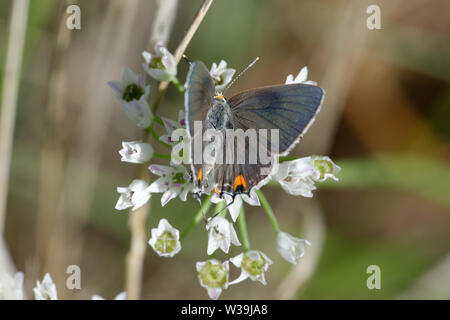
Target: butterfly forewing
[
  {"x": 199, "y": 94},
  {"x": 198, "y": 99},
  {"x": 289, "y": 108}
]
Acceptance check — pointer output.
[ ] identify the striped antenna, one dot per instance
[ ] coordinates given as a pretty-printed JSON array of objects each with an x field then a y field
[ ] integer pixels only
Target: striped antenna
[{"x": 240, "y": 74}]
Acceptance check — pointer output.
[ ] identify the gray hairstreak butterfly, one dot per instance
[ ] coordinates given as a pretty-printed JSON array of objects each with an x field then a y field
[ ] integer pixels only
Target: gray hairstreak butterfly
[{"x": 288, "y": 109}]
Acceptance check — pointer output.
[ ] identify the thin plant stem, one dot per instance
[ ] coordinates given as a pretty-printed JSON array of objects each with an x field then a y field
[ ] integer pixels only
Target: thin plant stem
[
  {"x": 49, "y": 220},
  {"x": 270, "y": 214},
  {"x": 179, "y": 86},
  {"x": 198, "y": 217},
  {"x": 158, "y": 120},
  {"x": 161, "y": 156},
  {"x": 11, "y": 82},
  {"x": 200, "y": 15},
  {"x": 243, "y": 229},
  {"x": 156, "y": 137}
]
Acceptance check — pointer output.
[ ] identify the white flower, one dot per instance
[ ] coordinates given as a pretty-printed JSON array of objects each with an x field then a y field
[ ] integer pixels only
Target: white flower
[
  {"x": 296, "y": 177},
  {"x": 178, "y": 137},
  {"x": 45, "y": 290},
  {"x": 165, "y": 239},
  {"x": 326, "y": 168},
  {"x": 171, "y": 126},
  {"x": 221, "y": 75},
  {"x": 135, "y": 195},
  {"x": 133, "y": 95},
  {"x": 175, "y": 181},
  {"x": 291, "y": 248},
  {"x": 300, "y": 78},
  {"x": 136, "y": 151},
  {"x": 120, "y": 296},
  {"x": 11, "y": 288},
  {"x": 213, "y": 276},
  {"x": 221, "y": 235},
  {"x": 161, "y": 65},
  {"x": 253, "y": 265},
  {"x": 234, "y": 207}
]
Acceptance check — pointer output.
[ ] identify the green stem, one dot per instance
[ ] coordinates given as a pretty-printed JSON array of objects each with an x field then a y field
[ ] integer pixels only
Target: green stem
[
  {"x": 158, "y": 120},
  {"x": 198, "y": 217},
  {"x": 243, "y": 229},
  {"x": 156, "y": 136},
  {"x": 179, "y": 86},
  {"x": 265, "y": 204},
  {"x": 153, "y": 133},
  {"x": 161, "y": 156},
  {"x": 287, "y": 158},
  {"x": 220, "y": 206}
]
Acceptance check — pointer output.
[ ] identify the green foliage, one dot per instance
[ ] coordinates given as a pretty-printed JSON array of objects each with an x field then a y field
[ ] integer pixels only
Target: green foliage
[
  {"x": 341, "y": 273},
  {"x": 424, "y": 176}
]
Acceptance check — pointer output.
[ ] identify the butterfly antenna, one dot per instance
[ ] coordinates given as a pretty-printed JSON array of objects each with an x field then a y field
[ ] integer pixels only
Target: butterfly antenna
[
  {"x": 241, "y": 73},
  {"x": 186, "y": 59},
  {"x": 221, "y": 210}
]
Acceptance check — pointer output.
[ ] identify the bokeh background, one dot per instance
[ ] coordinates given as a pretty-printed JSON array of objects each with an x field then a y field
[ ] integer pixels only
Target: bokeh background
[{"x": 385, "y": 121}]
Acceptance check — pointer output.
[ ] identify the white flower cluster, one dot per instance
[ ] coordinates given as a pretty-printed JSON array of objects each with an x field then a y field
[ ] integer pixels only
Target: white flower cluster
[
  {"x": 297, "y": 177},
  {"x": 11, "y": 288}
]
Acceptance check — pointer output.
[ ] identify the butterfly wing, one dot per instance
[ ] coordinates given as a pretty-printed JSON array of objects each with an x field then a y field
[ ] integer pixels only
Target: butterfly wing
[
  {"x": 198, "y": 99},
  {"x": 289, "y": 108},
  {"x": 199, "y": 94}
]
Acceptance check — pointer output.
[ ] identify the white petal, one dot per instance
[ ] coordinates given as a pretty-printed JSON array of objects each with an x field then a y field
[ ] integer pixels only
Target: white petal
[
  {"x": 253, "y": 200},
  {"x": 214, "y": 293},
  {"x": 183, "y": 194},
  {"x": 121, "y": 296},
  {"x": 302, "y": 75},
  {"x": 147, "y": 56},
  {"x": 237, "y": 260},
  {"x": 160, "y": 170},
  {"x": 169, "y": 195},
  {"x": 235, "y": 207},
  {"x": 117, "y": 87},
  {"x": 289, "y": 79},
  {"x": 123, "y": 203},
  {"x": 128, "y": 77},
  {"x": 243, "y": 276},
  {"x": 140, "y": 199},
  {"x": 233, "y": 236},
  {"x": 199, "y": 265},
  {"x": 160, "y": 185},
  {"x": 212, "y": 244}
]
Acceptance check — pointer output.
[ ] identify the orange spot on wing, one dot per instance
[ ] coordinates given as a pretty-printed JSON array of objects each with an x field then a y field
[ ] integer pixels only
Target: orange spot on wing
[
  {"x": 239, "y": 181},
  {"x": 216, "y": 190},
  {"x": 199, "y": 176}
]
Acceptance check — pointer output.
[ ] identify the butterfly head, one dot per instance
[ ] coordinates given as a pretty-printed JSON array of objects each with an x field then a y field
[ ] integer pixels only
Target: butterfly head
[{"x": 220, "y": 97}]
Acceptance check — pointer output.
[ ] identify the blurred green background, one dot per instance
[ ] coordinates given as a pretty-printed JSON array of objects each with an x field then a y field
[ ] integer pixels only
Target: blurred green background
[{"x": 385, "y": 121}]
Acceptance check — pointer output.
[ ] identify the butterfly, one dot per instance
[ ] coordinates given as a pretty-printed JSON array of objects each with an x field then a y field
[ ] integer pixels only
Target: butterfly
[{"x": 290, "y": 109}]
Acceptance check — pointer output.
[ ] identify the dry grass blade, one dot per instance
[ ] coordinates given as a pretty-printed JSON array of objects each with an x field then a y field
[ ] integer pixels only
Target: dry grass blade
[{"x": 9, "y": 98}]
